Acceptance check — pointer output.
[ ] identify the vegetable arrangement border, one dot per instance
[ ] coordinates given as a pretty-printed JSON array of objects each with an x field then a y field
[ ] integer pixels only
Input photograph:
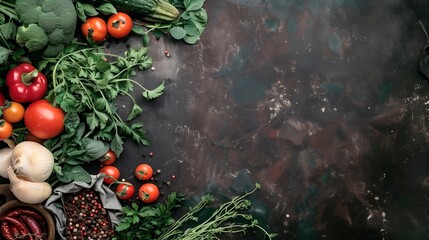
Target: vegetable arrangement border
[{"x": 62, "y": 88}]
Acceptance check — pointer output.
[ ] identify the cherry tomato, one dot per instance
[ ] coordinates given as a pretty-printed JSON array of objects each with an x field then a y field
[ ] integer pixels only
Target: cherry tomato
[
  {"x": 94, "y": 28},
  {"x": 148, "y": 193},
  {"x": 143, "y": 172},
  {"x": 108, "y": 159},
  {"x": 14, "y": 112},
  {"x": 5, "y": 130},
  {"x": 125, "y": 191},
  {"x": 111, "y": 172},
  {"x": 119, "y": 25},
  {"x": 43, "y": 120}
]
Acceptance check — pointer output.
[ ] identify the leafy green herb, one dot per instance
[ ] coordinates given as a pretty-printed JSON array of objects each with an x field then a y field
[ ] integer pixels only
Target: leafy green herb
[
  {"x": 188, "y": 27},
  {"x": 88, "y": 80},
  {"x": 72, "y": 149},
  {"x": 147, "y": 222},
  {"x": 85, "y": 10},
  {"x": 227, "y": 218}
]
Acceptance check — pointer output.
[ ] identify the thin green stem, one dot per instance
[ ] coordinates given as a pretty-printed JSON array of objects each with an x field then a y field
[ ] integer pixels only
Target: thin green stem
[{"x": 130, "y": 80}]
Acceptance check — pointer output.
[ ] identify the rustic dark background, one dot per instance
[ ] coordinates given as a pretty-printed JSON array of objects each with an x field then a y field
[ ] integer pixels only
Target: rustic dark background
[{"x": 319, "y": 101}]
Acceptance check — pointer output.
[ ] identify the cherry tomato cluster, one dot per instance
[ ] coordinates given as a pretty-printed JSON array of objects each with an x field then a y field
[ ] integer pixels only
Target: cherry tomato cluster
[
  {"x": 118, "y": 25},
  {"x": 42, "y": 120},
  {"x": 148, "y": 192}
]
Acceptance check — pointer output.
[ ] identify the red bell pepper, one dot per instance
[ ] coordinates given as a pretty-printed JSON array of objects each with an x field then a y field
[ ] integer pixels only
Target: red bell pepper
[{"x": 26, "y": 83}]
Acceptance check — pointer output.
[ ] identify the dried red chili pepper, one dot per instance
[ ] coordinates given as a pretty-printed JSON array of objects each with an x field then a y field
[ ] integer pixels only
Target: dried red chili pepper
[
  {"x": 33, "y": 226},
  {"x": 14, "y": 231},
  {"x": 6, "y": 232},
  {"x": 26, "y": 83},
  {"x": 29, "y": 212},
  {"x": 18, "y": 224}
]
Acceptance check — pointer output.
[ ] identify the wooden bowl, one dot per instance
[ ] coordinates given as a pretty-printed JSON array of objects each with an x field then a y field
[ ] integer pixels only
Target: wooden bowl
[{"x": 13, "y": 203}]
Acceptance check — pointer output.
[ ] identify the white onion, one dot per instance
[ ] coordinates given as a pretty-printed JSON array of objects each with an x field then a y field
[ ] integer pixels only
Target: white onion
[{"x": 32, "y": 161}]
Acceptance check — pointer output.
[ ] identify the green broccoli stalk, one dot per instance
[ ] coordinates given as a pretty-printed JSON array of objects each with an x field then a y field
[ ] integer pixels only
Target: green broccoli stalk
[{"x": 56, "y": 18}]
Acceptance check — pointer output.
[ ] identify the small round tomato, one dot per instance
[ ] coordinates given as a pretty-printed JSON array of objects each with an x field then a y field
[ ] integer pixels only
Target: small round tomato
[
  {"x": 43, "y": 120},
  {"x": 108, "y": 159},
  {"x": 143, "y": 172},
  {"x": 14, "y": 112},
  {"x": 148, "y": 193},
  {"x": 5, "y": 130},
  {"x": 111, "y": 174},
  {"x": 119, "y": 25},
  {"x": 94, "y": 28},
  {"x": 125, "y": 191}
]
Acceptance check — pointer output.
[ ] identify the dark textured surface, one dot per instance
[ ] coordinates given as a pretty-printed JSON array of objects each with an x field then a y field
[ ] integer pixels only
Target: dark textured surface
[{"x": 319, "y": 101}]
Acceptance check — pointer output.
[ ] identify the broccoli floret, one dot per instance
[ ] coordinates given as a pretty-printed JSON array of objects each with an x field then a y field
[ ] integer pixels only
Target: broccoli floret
[
  {"x": 53, "y": 50},
  {"x": 56, "y": 37},
  {"x": 57, "y": 18},
  {"x": 49, "y": 22},
  {"x": 32, "y": 37},
  {"x": 28, "y": 11}
]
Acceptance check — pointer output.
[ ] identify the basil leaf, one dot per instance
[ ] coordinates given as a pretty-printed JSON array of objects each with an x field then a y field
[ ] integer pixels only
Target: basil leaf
[
  {"x": 107, "y": 9},
  {"x": 138, "y": 29},
  {"x": 80, "y": 11},
  {"x": 178, "y": 32},
  {"x": 192, "y": 5},
  {"x": 89, "y": 9},
  {"x": 94, "y": 149}
]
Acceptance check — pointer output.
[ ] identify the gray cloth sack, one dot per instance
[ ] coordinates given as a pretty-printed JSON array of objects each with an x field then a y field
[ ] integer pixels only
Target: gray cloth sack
[{"x": 108, "y": 199}]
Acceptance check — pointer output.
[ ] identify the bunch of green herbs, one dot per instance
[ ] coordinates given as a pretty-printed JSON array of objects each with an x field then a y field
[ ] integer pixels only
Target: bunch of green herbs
[
  {"x": 71, "y": 150},
  {"x": 87, "y": 80},
  {"x": 189, "y": 26},
  {"x": 147, "y": 222},
  {"x": 226, "y": 219}
]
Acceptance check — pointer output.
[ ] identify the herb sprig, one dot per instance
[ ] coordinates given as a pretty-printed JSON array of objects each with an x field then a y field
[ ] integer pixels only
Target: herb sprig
[
  {"x": 225, "y": 219},
  {"x": 87, "y": 80},
  {"x": 147, "y": 222}
]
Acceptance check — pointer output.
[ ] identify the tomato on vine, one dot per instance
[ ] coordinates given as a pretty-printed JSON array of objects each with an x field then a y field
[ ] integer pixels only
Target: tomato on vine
[
  {"x": 125, "y": 191},
  {"x": 143, "y": 172},
  {"x": 94, "y": 28},
  {"x": 111, "y": 174},
  {"x": 13, "y": 112},
  {"x": 119, "y": 25},
  {"x": 108, "y": 159},
  {"x": 148, "y": 193}
]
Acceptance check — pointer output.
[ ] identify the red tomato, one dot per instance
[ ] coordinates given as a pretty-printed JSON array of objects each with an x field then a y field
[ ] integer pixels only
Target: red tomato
[
  {"x": 5, "y": 130},
  {"x": 111, "y": 172},
  {"x": 148, "y": 193},
  {"x": 94, "y": 28},
  {"x": 119, "y": 25},
  {"x": 43, "y": 120},
  {"x": 143, "y": 172},
  {"x": 14, "y": 112},
  {"x": 108, "y": 159},
  {"x": 125, "y": 191}
]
